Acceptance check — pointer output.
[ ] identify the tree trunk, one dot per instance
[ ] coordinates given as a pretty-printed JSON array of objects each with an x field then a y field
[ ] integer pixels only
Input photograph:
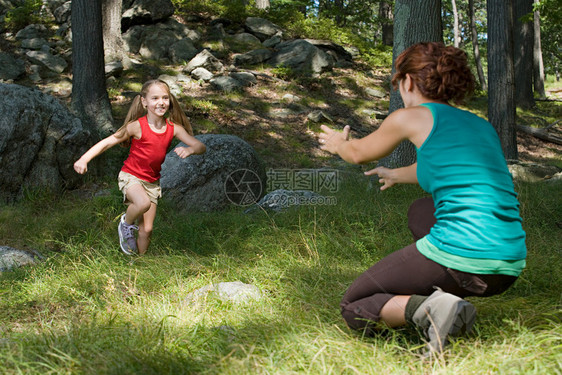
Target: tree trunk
[
  {"x": 475, "y": 46},
  {"x": 385, "y": 15},
  {"x": 262, "y": 4},
  {"x": 456, "y": 37},
  {"x": 538, "y": 67},
  {"x": 111, "y": 21},
  {"x": 523, "y": 53},
  {"x": 89, "y": 96},
  {"x": 501, "y": 100},
  {"x": 414, "y": 22}
]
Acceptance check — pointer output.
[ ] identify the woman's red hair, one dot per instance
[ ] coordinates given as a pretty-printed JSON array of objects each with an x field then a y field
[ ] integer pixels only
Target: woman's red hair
[{"x": 440, "y": 72}]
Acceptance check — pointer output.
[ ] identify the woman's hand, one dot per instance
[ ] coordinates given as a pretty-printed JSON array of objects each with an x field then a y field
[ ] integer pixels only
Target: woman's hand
[
  {"x": 387, "y": 176},
  {"x": 390, "y": 177},
  {"x": 80, "y": 166},
  {"x": 330, "y": 139}
]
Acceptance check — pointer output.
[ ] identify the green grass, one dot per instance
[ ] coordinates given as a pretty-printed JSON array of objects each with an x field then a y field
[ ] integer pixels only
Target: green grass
[{"x": 88, "y": 309}]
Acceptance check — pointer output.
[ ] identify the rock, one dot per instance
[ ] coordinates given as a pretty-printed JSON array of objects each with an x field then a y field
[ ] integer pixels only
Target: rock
[
  {"x": 146, "y": 12},
  {"x": 234, "y": 291},
  {"x": 39, "y": 142},
  {"x": 254, "y": 57},
  {"x": 182, "y": 51},
  {"x": 338, "y": 52},
  {"x": 157, "y": 42},
  {"x": 204, "y": 59},
  {"x": 133, "y": 39},
  {"x": 55, "y": 63},
  {"x": 32, "y": 31},
  {"x": 375, "y": 113},
  {"x": 302, "y": 57},
  {"x": 531, "y": 172},
  {"x": 319, "y": 116},
  {"x": 248, "y": 79},
  {"x": 272, "y": 42},
  {"x": 290, "y": 98},
  {"x": 34, "y": 43},
  {"x": 172, "y": 82},
  {"x": 202, "y": 74},
  {"x": 228, "y": 84},
  {"x": 230, "y": 172},
  {"x": 11, "y": 258},
  {"x": 243, "y": 42},
  {"x": 62, "y": 13},
  {"x": 10, "y": 67},
  {"x": 113, "y": 68},
  {"x": 377, "y": 93},
  {"x": 262, "y": 28}
]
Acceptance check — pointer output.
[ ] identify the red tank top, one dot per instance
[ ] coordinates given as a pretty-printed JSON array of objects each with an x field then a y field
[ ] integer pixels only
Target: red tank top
[{"x": 148, "y": 153}]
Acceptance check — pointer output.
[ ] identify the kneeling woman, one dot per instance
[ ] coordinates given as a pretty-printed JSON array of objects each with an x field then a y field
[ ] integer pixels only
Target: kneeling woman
[{"x": 468, "y": 236}]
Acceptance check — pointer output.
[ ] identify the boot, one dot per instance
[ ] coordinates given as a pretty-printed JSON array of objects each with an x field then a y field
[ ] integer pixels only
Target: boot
[{"x": 442, "y": 315}]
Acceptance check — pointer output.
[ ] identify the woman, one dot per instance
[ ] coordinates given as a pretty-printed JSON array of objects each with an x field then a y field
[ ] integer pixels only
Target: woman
[{"x": 468, "y": 236}]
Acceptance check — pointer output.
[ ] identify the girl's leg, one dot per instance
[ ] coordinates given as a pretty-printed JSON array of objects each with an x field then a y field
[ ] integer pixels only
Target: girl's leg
[
  {"x": 139, "y": 203},
  {"x": 146, "y": 223}
]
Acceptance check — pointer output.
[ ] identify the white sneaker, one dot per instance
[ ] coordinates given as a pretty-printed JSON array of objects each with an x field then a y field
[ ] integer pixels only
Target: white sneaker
[
  {"x": 443, "y": 315},
  {"x": 127, "y": 240}
]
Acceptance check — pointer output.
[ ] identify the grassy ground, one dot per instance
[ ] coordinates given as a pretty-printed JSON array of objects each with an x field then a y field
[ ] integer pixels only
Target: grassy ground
[{"x": 89, "y": 309}]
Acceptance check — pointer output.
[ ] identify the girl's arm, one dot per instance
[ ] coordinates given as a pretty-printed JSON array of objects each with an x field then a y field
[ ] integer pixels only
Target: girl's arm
[
  {"x": 81, "y": 165},
  {"x": 389, "y": 177},
  {"x": 195, "y": 146}
]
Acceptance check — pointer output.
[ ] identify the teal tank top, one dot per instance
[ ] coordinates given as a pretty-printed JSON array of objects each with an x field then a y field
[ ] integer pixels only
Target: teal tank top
[{"x": 462, "y": 165}]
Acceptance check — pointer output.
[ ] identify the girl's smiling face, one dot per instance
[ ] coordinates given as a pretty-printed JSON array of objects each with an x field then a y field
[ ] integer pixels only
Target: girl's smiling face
[{"x": 157, "y": 100}]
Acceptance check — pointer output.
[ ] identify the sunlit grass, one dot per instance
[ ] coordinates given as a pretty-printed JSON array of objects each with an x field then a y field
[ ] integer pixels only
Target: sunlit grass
[{"x": 88, "y": 309}]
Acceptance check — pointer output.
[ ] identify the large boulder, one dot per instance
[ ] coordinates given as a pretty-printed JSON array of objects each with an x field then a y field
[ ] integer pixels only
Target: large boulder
[
  {"x": 140, "y": 12},
  {"x": 39, "y": 142},
  {"x": 11, "y": 67},
  {"x": 301, "y": 56},
  {"x": 11, "y": 258},
  {"x": 229, "y": 173},
  {"x": 262, "y": 28}
]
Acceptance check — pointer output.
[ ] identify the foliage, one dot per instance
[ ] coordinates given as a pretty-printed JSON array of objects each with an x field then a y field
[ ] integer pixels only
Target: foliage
[
  {"x": 551, "y": 34},
  {"x": 27, "y": 13}
]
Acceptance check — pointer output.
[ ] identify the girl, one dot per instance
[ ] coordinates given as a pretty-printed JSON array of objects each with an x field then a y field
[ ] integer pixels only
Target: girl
[
  {"x": 469, "y": 238},
  {"x": 149, "y": 134}
]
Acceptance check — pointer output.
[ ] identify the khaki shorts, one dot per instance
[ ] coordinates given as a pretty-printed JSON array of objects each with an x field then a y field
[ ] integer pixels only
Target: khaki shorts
[{"x": 152, "y": 188}]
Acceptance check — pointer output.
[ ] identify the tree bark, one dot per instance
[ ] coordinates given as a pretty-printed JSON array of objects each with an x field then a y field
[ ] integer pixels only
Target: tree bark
[
  {"x": 111, "y": 21},
  {"x": 385, "y": 15},
  {"x": 89, "y": 96},
  {"x": 414, "y": 22},
  {"x": 523, "y": 53},
  {"x": 501, "y": 99},
  {"x": 262, "y": 4},
  {"x": 456, "y": 36},
  {"x": 475, "y": 46},
  {"x": 538, "y": 67}
]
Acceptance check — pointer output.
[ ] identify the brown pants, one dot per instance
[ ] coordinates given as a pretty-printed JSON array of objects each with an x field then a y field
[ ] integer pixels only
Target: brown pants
[{"x": 407, "y": 272}]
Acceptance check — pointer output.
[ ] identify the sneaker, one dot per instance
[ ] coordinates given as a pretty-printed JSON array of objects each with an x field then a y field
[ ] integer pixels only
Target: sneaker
[
  {"x": 441, "y": 316},
  {"x": 127, "y": 239}
]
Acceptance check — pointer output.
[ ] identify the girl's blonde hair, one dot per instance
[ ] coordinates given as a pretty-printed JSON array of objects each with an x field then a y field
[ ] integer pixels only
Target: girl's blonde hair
[{"x": 137, "y": 110}]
